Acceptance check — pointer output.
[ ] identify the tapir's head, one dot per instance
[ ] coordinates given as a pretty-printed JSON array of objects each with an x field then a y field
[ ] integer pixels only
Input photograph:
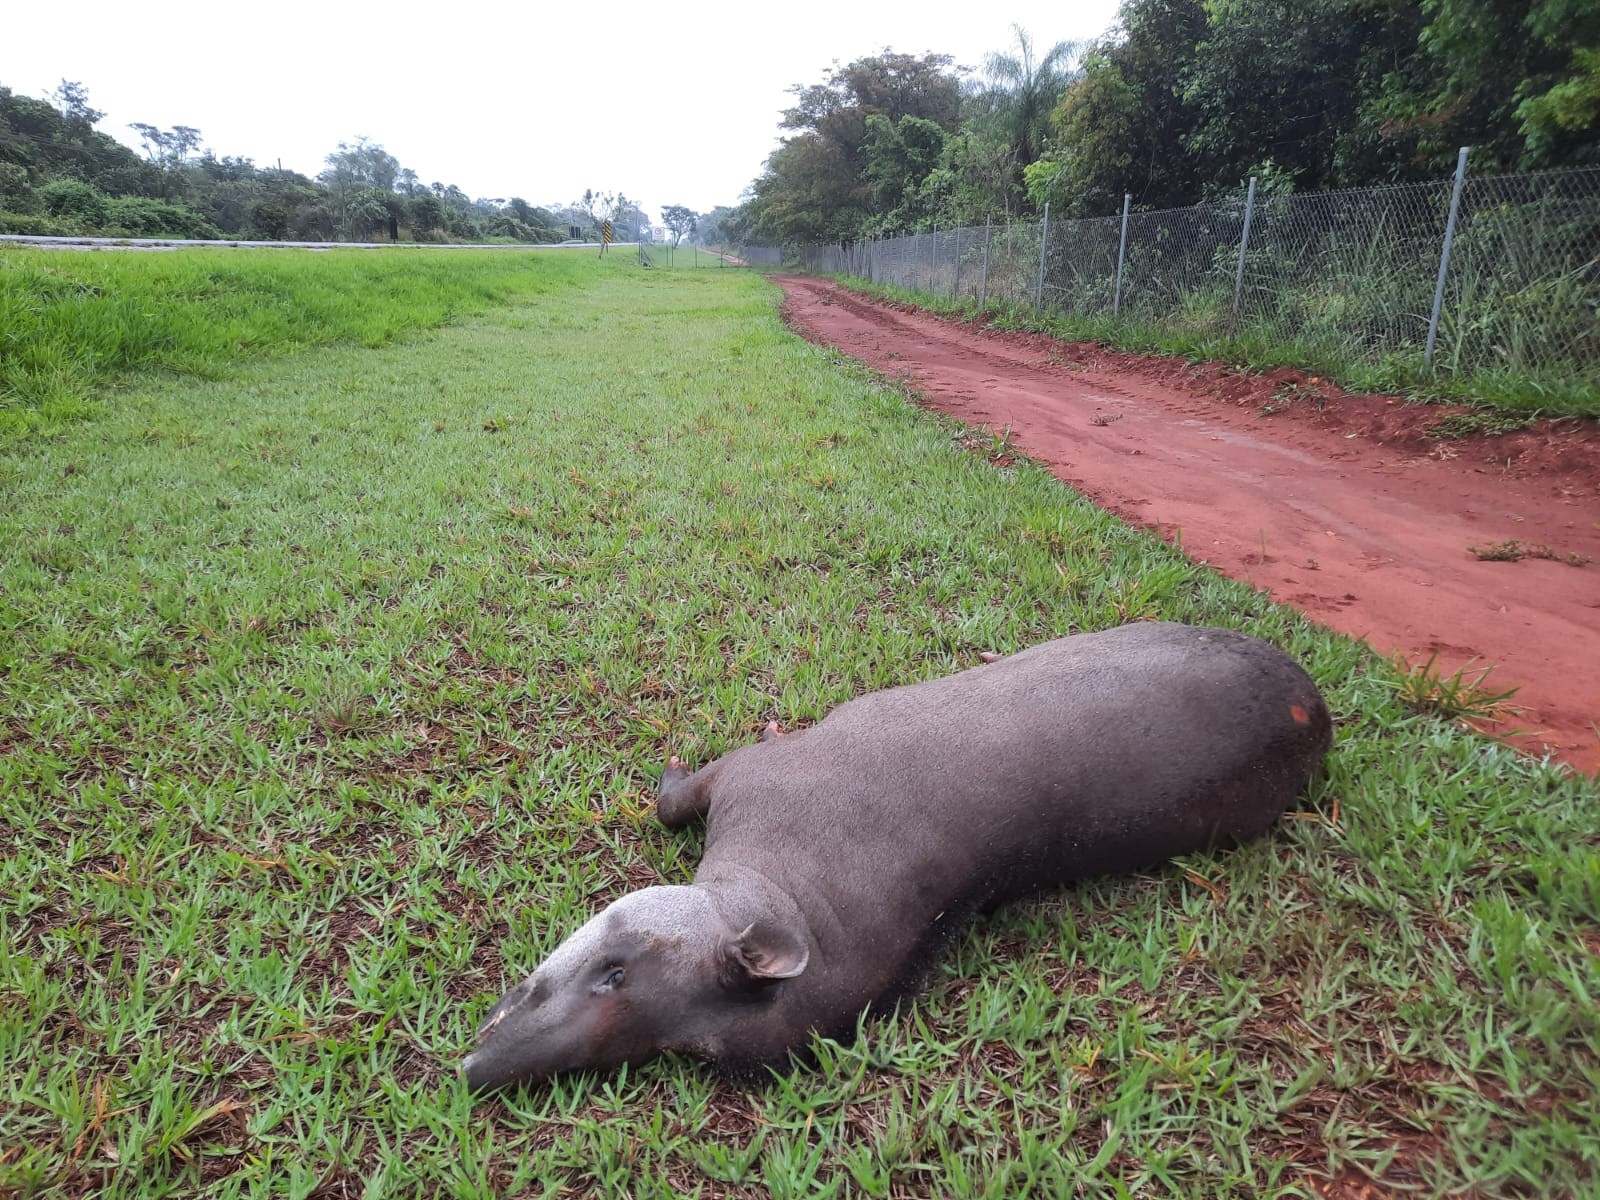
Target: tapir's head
[{"x": 661, "y": 969}]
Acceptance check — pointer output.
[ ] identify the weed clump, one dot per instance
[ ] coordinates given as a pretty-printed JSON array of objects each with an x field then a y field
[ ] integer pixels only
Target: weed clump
[
  {"x": 1427, "y": 689},
  {"x": 1512, "y": 550}
]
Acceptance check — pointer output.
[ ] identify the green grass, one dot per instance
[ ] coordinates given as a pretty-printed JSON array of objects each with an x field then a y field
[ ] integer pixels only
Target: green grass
[
  {"x": 73, "y": 324},
  {"x": 333, "y": 692},
  {"x": 1520, "y": 394}
]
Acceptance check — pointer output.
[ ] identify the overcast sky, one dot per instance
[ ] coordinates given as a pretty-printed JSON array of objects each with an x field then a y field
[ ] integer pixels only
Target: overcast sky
[{"x": 670, "y": 104}]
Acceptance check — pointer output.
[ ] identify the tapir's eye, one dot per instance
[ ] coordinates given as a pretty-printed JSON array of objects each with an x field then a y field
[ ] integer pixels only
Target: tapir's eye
[{"x": 613, "y": 979}]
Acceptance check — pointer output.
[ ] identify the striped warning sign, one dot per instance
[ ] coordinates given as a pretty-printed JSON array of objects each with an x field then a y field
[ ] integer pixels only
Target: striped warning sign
[{"x": 605, "y": 232}]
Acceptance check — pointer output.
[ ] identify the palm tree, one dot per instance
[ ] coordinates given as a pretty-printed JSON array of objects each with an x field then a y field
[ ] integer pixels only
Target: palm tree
[{"x": 1020, "y": 91}]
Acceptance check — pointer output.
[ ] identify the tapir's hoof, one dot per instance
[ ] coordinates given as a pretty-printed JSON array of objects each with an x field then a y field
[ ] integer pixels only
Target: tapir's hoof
[
  {"x": 673, "y": 771},
  {"x": 989, "y": 656},
  {"x": 771, "y": 733}
]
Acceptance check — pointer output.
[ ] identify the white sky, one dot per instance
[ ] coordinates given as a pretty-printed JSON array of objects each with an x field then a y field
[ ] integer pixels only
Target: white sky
[{"x": 671, "y": 105}]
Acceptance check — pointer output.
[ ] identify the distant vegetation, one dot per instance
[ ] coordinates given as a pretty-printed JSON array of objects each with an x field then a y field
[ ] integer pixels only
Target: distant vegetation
[
  {"x": 1180, "y": 101},
  {"x": 60, "y": 175}
]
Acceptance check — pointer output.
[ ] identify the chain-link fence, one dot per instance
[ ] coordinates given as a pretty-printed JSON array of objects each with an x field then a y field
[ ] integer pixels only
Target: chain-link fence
[
  {"x": 1377, "y": 276},
  {"x": 751, "y": 256}
]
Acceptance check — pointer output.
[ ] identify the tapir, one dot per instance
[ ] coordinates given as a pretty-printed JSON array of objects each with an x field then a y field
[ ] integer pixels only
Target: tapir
[{"x": 840, "y": 858}]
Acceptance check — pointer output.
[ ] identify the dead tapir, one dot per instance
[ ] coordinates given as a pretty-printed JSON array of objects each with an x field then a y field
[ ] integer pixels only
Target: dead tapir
[{"x": 840, "y": 858}]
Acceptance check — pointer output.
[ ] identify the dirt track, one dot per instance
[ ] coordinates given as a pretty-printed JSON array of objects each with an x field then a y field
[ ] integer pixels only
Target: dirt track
[{"x": 1337, "y": 504}]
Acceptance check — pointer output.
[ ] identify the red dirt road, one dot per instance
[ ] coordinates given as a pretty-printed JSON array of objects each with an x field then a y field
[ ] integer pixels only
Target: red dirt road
[{"x": 1337, "y": 504}]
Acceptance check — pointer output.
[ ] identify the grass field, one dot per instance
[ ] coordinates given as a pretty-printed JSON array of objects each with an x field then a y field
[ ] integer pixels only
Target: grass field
[
  {"x": 72, "y": 323},
  {"x": 333, "y": 692}
]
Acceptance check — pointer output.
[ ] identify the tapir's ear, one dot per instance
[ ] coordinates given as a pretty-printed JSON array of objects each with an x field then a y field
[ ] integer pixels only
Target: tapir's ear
[{"x": 763, "y": 954}]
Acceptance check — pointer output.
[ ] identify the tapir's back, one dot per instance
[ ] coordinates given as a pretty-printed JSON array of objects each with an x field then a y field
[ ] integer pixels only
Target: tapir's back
[{"x": 1085, "y": 755}]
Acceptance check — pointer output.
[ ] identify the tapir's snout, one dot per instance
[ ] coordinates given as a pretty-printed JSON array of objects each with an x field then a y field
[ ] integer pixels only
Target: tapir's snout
[
  {"x": 511, "y": 1042},
  {"x": 500, "y": 1062},
  {"x": 486, "y": 1071}
]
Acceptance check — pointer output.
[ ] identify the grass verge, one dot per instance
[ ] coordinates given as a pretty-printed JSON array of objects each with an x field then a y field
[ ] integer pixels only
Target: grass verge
[
  {"x": 74, "y": 323},
  {"x": 1523, "y": 394},
  {"x": 334, "y": 691}
]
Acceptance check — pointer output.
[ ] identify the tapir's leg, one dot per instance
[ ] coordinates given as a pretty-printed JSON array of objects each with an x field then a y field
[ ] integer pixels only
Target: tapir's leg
[
  {"x": 683, "y": 797},
  {"x": 686, "y": 796}
]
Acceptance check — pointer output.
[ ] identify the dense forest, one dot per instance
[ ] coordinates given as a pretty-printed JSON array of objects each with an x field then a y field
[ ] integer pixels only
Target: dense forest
[
  {"x": 1182, "y": 100},
  {"x": 60, "y": 175}
]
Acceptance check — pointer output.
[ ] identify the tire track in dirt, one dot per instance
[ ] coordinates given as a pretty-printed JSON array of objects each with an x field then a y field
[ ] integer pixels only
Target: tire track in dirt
[{"x": 1345, "y": 512}]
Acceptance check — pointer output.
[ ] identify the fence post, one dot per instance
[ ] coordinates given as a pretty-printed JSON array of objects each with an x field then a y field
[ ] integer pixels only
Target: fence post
[
  {"x": 1122, "y": 253},
  {"x": 1044, "y": 246},
  {"x": 955, "y": 284},
  {"x": 983, "y": 284},
  {"x": 933, "y": 258},
  {"x": 1444, "y": 258},
  {"x": 1244, "y": 244}
]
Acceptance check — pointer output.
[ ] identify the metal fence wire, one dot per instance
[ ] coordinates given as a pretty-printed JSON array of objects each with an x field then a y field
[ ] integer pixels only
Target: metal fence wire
[{"x": 1346, "y": 275}]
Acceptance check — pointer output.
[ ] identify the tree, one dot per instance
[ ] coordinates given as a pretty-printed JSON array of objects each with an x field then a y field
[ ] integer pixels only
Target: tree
[
  {"x": 626, "y": 217},
  {"x": 888, "y": 84},
  {"x": 629, "y": 219},
  {"x": 900, "y": 156},
  {"x": 47, "y": 143},
  {"x": 1020, "y": 90},
  {"x": 1275, "y": 81},
  {"x": 1122, "y": 126},
  {"x": 51, "y": 158},
  {"x": 813, "y": 187},
  {"x": 722, "y": 226},
  {"x": 361, "y": 164},
  {"x": 528, "y": 222},
  {"x": 1560, "y": 121},
  {"x": 427, "y": 213},
  {"x": 167, "y": 148},
  {"x": 681, "y": 220},
  {"x": 72, "y": 98},
  {"x": 366, "y": 212},
  {"x": 1517, "y": 79}
]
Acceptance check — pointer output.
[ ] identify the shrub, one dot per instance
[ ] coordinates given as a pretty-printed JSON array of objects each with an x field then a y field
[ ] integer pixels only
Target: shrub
[
  {"x": 75, "y": 199},
  {"x": 137, "y": 216},
  {"x": 134, "y": 179},
  {"x": 37, "y": 226},
  {"x": 269, "y": 221}
]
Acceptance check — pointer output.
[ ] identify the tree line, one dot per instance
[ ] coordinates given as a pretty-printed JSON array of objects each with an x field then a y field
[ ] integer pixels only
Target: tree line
[
  {"x": 1181, "y": 101},
  {"x": 60, "y": 175}
]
